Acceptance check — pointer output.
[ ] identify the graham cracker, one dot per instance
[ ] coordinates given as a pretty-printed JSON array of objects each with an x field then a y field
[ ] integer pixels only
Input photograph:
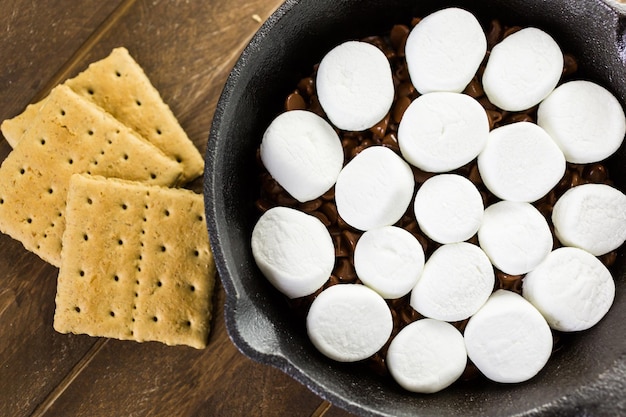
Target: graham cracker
[
  {"x": 70, "y": 135},
  {"x": 136, "y": 263},
  {"x": 120, "y": 86}
]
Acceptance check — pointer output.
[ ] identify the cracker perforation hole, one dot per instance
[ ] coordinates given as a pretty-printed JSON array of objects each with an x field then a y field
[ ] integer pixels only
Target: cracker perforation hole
[
  {"x": 90, "y": 91},
  {"x": 192, "y": 288},
  {"x": 22, "y": 171},
  {"x": 1, "y": 200},
  {"x": 159, "y": 283},
  {"x": 196, "y": 253},
  {"x": 29, "y": 220},
  {"x": 116, "y": 278},
  {"x": 70, "y": 161},
  {"x": 158, "y": 131},
  {"x": 124, "y": 206},
  {"x": 167, "y": 213},
  {"x": 188, "y": 323},
  {"x": 81, "y": 273},
  {"x": 77, "y": 309},
  {"x": 120, "y": 242},
  {"x": 50, "y": 190},
  {"x": 89, "y": 201},
  {"x": 125, "y": 157},
  {"x": 118, "y": 74},
  {"x": 138, "y": 102},
  {"x": 112, "y": 313},
  {"x": 163, "y": 248},
  {"x": 179, "y": 159},
  {"x": 62, "y": 112},
  {"x": 42, "y": 141},
  {"x": 155, "y": 319},
  {"x": 153, "y": 176},
  {"x": 85, "y": 237},
  {"x": 90, "y": 132}
]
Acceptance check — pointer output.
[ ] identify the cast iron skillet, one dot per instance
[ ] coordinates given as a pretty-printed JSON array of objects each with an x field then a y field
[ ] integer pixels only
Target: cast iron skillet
[{"x": 588, "y": 376}]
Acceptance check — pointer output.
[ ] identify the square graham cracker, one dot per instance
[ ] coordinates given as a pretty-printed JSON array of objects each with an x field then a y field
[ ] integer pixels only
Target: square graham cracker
[
  {"x": 120, "y": 86},
  {"x": 71, "y": 136},
  {"x": 136, "y": 263}
]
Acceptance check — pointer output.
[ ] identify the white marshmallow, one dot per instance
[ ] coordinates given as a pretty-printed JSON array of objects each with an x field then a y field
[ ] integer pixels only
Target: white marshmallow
[
  {"x": 374, "y": 189},
  {"x": 293, "y": 250},
  {"x": 456, "y": 281},
  {"x": 389, "y": 260},
  {"x": 591, "y": 217},
  {"x": 354, "y": 85},
  {"x": 571, "y": 288},
  {"x": 303, "y": 153},
  {"x": 442, "y": 131},
  {"x": 584, "y": 119},
  {"x": 515, "y": 236},
  {"x": 520, "y": 162},
  {"x": 349, "y": 322},
  {"x": 427, "y": 356},
  {"x": 448, "y": 208},
  {"x": 508, "y": 340},
  {"x": 444, "y": 50},
  {"x": 522, "y": 69}
]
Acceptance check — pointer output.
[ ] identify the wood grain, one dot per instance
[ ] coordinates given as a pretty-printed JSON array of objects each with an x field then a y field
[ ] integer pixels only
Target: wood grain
[
  {"x": 38, "y": 38},
  {"x": 187, "y": 48}
]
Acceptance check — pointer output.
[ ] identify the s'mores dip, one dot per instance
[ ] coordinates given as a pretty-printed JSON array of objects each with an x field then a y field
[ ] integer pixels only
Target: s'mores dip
[{"x": 428, "y": 194}]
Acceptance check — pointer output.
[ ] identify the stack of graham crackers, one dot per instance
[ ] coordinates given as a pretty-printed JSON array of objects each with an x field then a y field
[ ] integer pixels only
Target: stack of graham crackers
[{"x": 91, "y": 186}]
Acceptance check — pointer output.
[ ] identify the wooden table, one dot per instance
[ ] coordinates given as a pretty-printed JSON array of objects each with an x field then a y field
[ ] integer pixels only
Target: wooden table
[{"x": 187, "y": 48}]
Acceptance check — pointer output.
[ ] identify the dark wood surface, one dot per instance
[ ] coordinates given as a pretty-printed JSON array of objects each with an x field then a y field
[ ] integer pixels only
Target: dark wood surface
[{"x": 187, "y": 48}]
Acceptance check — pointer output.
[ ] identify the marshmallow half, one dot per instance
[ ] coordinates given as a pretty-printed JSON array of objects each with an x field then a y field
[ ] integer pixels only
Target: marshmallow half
[
  {"x": 508, "y": 340},
  {"x": 522, "y": 69},
  {"x": 389, "y": 260},
  {"x": 444, "y": 51},
  {"x": 571, "y": 288},
  {"x": 427, "y": 356},
  {"x": 456, "y": 281},
  {"x": 354, "y": 85},
  {"x": 515, "y": 236},
  {"x": 520, "y": 162},
  {"x": 591, "y": 217},
  {"x": 442, "y": 131},
  {"x": 349, "y": 322},
  {"x": 374, "y": 189},
  {"x": 303, "y": 153},
  {"x": 584, "y": 119},
  {"x": 293, "y": 250}
]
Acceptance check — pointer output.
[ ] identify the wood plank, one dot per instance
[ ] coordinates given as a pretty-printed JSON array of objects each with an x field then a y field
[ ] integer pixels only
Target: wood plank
[
  {"x": 34, "y": 358},
  {"x": 34, "y": 33},
  {"x": 150, "y": 379}
]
